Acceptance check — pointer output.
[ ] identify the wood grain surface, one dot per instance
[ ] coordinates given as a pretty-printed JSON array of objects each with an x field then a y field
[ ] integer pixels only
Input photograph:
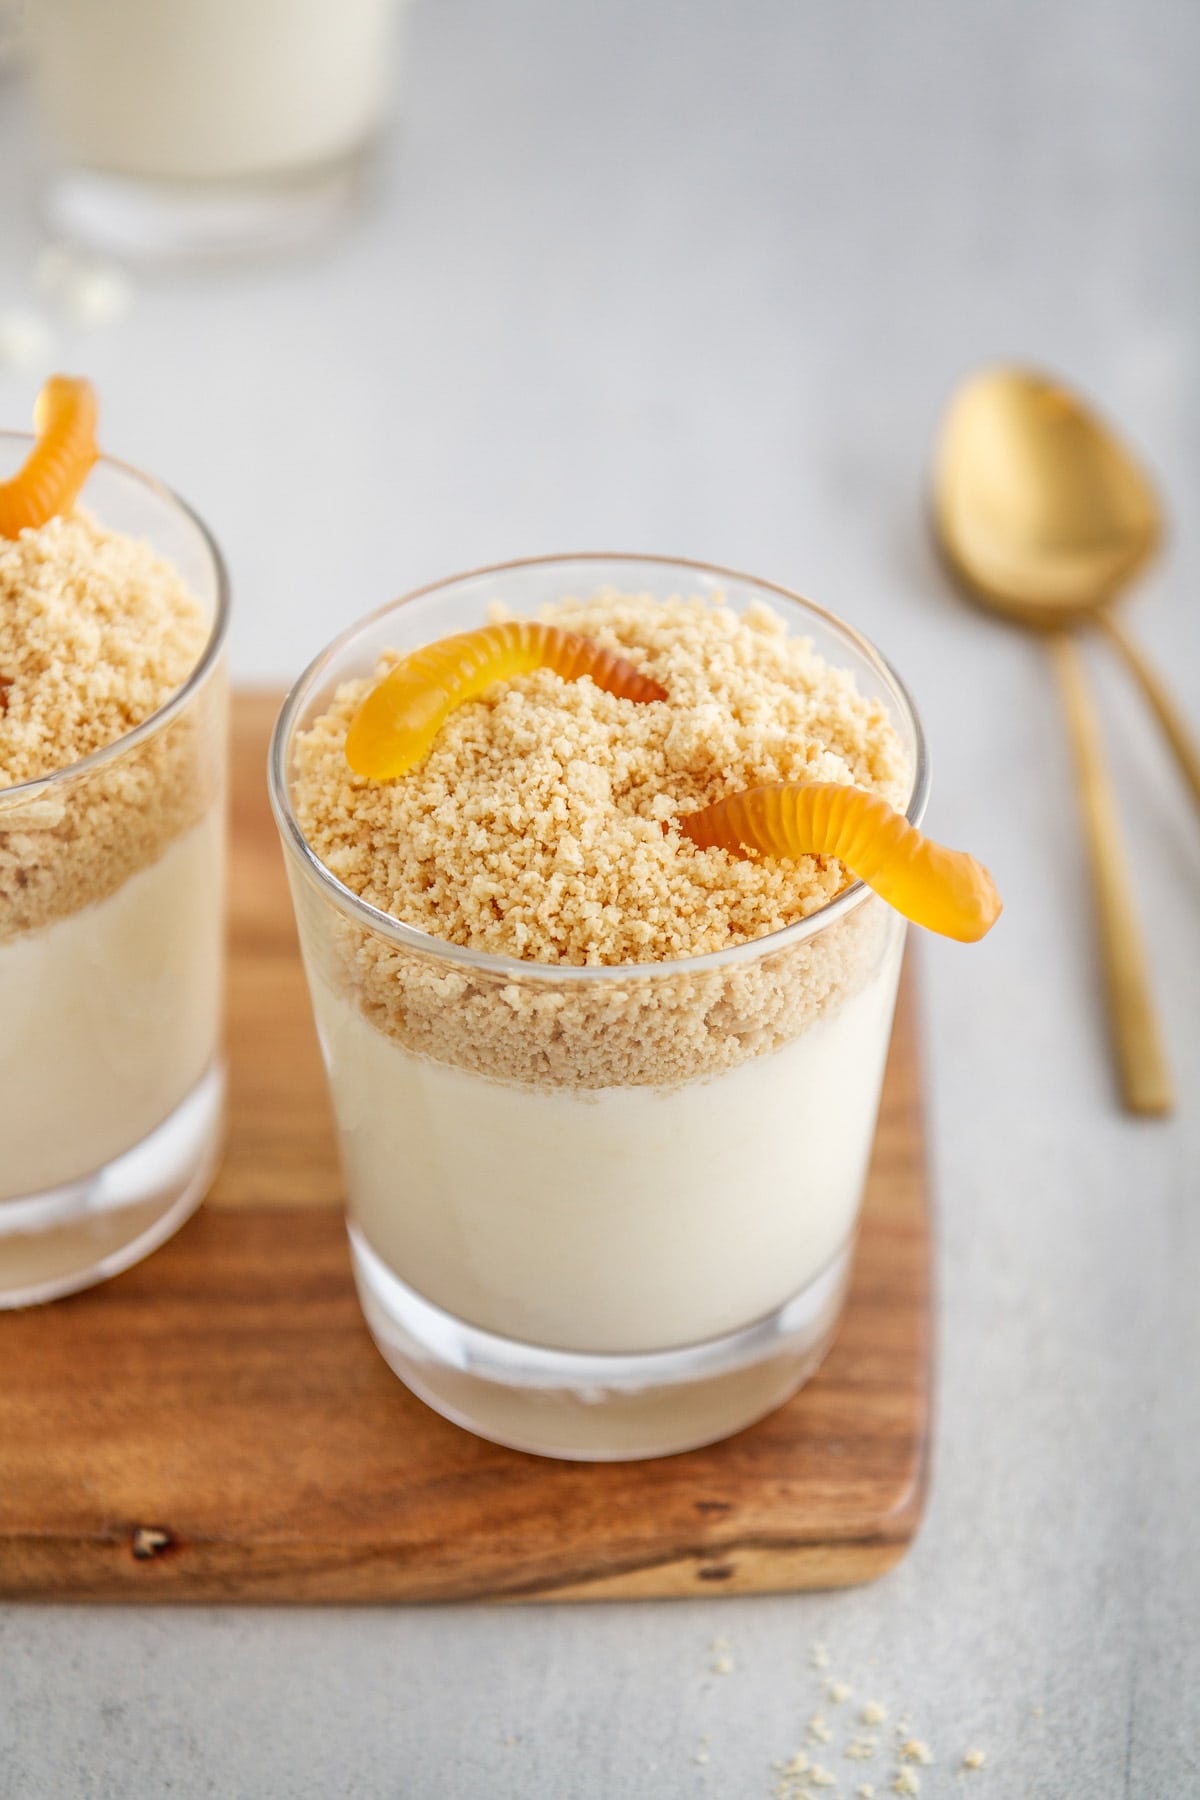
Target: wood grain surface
[{"x": 217, "y": 1425}]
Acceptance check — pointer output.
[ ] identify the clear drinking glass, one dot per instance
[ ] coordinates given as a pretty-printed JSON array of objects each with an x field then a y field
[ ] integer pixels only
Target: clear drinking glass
[
  {"x": 553, "y": 1245},
  {"x": 208, "y": 126},
  {"x": 111, "y": 957}
]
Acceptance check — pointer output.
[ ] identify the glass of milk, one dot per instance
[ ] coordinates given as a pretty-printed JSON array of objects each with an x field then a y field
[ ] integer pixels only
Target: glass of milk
[
  {"x": 186, "y": 127},
  {"x": 112, "y": 1076},
  {"x": 598, "y": 1267}
]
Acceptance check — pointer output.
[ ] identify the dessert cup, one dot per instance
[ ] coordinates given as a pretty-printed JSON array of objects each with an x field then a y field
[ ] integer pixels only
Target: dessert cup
[
  {"x": 111, "y": 956},
  {"x": 597, "y": 1212},
  {"x": 208, "y": 127}
]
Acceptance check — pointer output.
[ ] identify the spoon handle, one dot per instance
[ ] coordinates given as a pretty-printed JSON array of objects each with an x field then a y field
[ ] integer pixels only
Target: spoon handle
[
  {"x": 1145, "y": 1078},
  {"x": 1170, "y": 717}
]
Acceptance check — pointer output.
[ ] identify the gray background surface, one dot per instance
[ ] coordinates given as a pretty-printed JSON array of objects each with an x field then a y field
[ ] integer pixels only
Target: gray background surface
[{"x": 696, "y": 278}]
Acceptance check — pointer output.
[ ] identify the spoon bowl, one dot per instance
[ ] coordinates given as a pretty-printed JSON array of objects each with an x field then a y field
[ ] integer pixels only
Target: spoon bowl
[{"x": 1042, "y": 512}]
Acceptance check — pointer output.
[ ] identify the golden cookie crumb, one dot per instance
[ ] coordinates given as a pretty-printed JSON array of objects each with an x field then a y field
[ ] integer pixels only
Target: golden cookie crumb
[
  {"x": 536, "y": 829},
  {"x": 97, "y": 632},
  {"x": 540, "y": 825}
]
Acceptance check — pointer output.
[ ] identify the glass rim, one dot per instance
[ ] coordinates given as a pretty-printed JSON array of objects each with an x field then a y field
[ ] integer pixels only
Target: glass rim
[
  {"x": 180, "y": 696},
  {"x": 516, "y": 968}
]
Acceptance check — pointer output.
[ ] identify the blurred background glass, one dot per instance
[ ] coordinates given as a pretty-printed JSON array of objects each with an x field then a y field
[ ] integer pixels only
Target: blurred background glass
[
  {"x": 12, "y": 29},
  {"x": 207, "y": 125}
]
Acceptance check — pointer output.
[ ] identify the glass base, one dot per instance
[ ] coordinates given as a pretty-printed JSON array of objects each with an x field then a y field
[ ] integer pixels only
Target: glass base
[
  {"x": 71, "y": 1237},
  {"x": 143, "y": 220},
  {"x": 597, "y": 1408}
]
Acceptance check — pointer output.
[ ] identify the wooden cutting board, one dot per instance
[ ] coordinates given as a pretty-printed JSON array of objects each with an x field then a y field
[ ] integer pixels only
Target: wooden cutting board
[{"x": 217, "y": 1425}]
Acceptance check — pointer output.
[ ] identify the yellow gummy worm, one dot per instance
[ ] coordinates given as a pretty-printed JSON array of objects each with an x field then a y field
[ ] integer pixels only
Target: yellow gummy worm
[
  {"x": 64, "y": 418},
  {"x": 394, "y": 728},
  {"x": 945, "y": 890}
]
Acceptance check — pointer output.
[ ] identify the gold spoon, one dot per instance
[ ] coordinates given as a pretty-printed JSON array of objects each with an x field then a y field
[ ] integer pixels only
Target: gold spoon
[{"x": 1044, "y": 516}]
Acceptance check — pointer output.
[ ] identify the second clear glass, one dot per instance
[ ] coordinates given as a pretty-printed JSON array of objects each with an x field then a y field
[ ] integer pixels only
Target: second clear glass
[
  {"x": 112, "y": 955},
  {"x": 559, "y": 1241}
]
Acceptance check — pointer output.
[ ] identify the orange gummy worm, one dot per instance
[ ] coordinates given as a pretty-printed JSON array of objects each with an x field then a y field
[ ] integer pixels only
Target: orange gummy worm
[
  {"x": 64, "y": 418},
  {"x": 394, "y": 728},
  {"x": 944, "y": 890}
]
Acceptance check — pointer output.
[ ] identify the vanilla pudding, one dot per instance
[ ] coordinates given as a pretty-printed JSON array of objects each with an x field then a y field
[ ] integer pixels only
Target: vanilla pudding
[
  {"x": 605, "y": 1099},
  {"x": 110, "y": 1017},
  {"x": 111, "y": 901},
  {"x": 646, "y": 1246}
]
